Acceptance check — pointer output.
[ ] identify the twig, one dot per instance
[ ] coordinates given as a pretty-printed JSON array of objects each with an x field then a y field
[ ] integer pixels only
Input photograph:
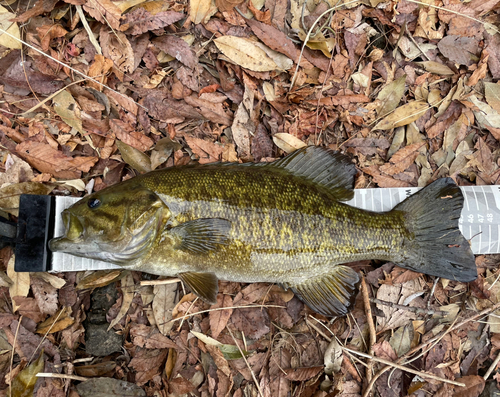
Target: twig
[
  {"x": 417, "y": 310},
  {"x": 371, "y": 326},
  {"x": 433, "y": 290},
  {"x": 492, "y": 367},
  {"x": 246, "y": 362},
  {"x": 13, "y": 352},
  {"x": 161, "y": 282},
  {"x": 403, "y": 368},
  {"x": 61, "y": 376}
]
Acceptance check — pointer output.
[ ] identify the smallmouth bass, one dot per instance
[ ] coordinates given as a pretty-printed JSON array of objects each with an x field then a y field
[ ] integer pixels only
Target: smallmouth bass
[{"x": 282, "y": 222}]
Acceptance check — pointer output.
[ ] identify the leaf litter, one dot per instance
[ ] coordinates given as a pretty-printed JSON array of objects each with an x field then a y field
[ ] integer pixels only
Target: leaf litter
[{"x": 409, "y": 90}]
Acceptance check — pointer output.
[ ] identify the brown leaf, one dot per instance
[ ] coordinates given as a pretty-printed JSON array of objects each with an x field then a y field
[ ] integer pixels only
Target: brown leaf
[
  {"x": 146, "y": 363},
  {"x": 59, "y": 321},
  {"x": 46, "y": 159},
  {"x": 28, "y": 307},
  {"x": 150, "y": 338},
  {"x": 141, "y": 21},
  {"x": 40, "y": 7},
  {"x": 461, "y": 50},
  {"x": 219, "y": 318},
  {"x": 444, "y": 121},
  {"x": 100, "y": 278},
  {"x": 302, "y": 374},
  {"x": 177, "y": 48},
  {"x": 383, "y": 180},
  {"x": 117, "y": 47},
  {"x": 402, "y": 159},
  {"x": 208, "y": 152},
  {"x": 45, "y": 296},
  {"x": 214, "y": 112},
  {"x": 14, "y": 71},
  {"x": 49, "y": 32},
  {"x": 368, "y": 146},
  {"x": 474, "y": 386},
  {"x": 105, "y": 11},
  {"x": 254, "y": 322},
  {"x": 129, "y": 135}
]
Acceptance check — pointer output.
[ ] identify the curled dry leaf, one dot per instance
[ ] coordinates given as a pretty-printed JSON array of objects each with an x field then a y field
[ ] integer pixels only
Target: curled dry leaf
[
  {"x": 244, "y": 53},
  {"x": 100, "y": 278}
]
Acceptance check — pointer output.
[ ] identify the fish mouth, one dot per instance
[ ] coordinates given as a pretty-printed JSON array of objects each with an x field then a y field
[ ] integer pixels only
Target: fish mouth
[{"x": 73, "y": 234}]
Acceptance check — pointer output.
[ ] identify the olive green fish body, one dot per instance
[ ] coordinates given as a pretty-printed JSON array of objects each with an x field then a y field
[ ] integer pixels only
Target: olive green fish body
[
  {"x": 282, "y": 228},
  {"x": 282, "y": 222}
]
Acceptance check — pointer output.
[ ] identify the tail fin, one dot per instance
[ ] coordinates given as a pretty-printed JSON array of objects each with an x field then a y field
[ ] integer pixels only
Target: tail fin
[{"x": 437, "y": 247}]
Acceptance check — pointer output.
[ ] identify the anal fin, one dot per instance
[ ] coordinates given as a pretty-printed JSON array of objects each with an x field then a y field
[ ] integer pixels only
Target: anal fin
[
  {"x": 329, "y": 294},
  {"x": 205, "y": 285}
]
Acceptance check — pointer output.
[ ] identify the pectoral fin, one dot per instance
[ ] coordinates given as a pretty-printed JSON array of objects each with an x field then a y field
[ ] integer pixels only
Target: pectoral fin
[
  {"x": 331, "y": 294},
  {"x": 201, "y": 236},
  {"x": 205, "y": 285}
]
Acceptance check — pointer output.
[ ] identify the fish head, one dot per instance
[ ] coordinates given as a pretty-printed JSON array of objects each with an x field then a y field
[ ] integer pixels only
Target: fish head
[{"x": 117, "y": 224}]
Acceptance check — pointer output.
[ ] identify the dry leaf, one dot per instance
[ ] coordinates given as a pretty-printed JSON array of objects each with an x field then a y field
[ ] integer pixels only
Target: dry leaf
[
  {"x": 163, "y": 303},
  {"x": 219, "y": 318},
  {"x": 403, "y": 115},
  {"x": 59, "y": 321},
  {"x": 105, "y": 11},
  {"x": 127, "y": 288},
  {"x": 245, "y": 53},
  {"x": 201, "y": 10},
  {"x": 10, "y": 27},
  {"x": 391, "y": 95},
  {"x": 100, "y": 278},
  {"x": 133, "y": 157},
  {"x": 287, "y": 142},
  {"x": 20, "y": 285}
]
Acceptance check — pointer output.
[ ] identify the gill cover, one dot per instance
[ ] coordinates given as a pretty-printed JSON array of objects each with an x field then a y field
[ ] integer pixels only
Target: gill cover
[{"x": 118, "y": 224}]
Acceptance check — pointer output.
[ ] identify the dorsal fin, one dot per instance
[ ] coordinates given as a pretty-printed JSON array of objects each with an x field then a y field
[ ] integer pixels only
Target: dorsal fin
[{"x": 325, "y": 167}]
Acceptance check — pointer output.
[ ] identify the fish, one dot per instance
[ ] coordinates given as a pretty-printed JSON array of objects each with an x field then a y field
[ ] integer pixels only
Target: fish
[{"x": 283, "y": 222}]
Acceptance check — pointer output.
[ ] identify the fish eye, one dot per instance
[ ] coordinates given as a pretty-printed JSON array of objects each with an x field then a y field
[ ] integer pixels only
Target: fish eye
[{"x": 94, "y": 203}]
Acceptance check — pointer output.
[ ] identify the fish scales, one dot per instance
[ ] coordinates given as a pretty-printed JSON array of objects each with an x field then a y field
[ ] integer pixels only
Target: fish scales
[
  {"x": 283, "y": 222},
  {"x": 272, "y": 236}
]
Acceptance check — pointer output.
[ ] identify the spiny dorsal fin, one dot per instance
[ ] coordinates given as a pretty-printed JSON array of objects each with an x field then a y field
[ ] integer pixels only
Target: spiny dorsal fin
[
  {"x": 330, "y": 294},
  {"x": 205, "y": 285},
  {"x": 324, "y": 167},
  {"x": 202, "y": 235}
]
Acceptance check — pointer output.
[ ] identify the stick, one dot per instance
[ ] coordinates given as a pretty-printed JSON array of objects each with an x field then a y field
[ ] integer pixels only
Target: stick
[
  {"x": 61, "y": 376},
  {"x": 417, "y": 310},
  {"x": 371, "y": 326}
]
